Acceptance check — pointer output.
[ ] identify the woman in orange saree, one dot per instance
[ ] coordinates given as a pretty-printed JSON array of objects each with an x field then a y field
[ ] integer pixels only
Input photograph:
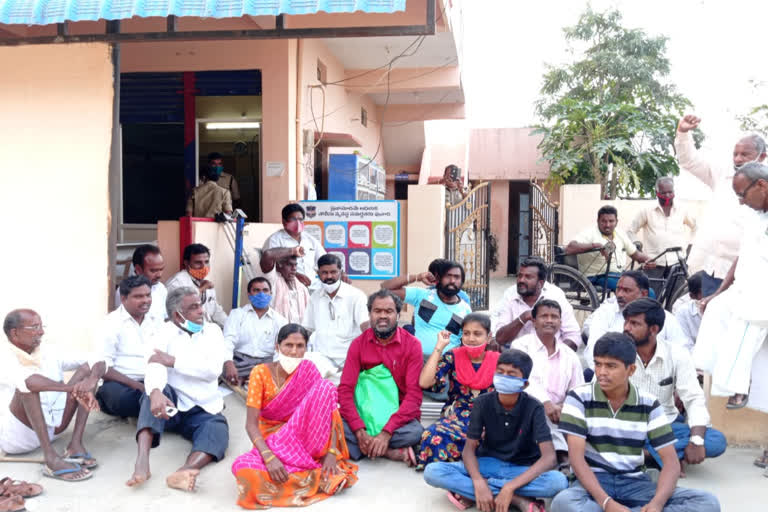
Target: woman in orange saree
[{"x": 299, "y": 454}]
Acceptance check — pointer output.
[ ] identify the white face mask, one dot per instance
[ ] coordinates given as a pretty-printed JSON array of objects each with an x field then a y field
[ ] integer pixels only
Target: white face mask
[
  {"x": 755, "y": 161},
  {"x": 288, "y": 363},
  {"x": 331, "y": 288}
]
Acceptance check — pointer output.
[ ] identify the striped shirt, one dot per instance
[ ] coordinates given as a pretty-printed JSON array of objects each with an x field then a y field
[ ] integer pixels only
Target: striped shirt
[{"x": 615, "y": 440}]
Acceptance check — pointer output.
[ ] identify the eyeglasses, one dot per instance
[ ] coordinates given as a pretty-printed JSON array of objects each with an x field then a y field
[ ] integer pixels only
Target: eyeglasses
[
  {"x": 743, "y": 195},
  {"x": 36, "y": 327}
]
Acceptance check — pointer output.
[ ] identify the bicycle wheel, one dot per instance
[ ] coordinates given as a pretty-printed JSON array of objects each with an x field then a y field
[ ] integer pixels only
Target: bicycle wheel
[
  {"x": 578, "y": 290},
  {"x": 681, "y": 290}
]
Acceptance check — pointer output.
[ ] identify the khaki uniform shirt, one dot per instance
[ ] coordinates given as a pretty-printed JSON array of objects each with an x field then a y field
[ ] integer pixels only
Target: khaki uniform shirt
[
  {"x": 209, "y": 199},
  {"x": 229, "y": 182},
  {"x": 593, "y": 263}
]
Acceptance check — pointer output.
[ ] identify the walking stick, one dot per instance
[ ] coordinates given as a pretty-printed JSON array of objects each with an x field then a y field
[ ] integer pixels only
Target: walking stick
[{"x": 9, "y": 458}]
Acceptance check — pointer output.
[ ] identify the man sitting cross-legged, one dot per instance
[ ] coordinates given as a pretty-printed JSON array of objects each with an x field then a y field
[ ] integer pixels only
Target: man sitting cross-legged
[
  {"x": 37, "y": 405},
  {"x": 188, "y": 358},
  {"x": 665, "y": 370},
  {"x": 508, "y": 457},
  {"x": 607, "y": 422},
  {"x": 556, "y": 368}
]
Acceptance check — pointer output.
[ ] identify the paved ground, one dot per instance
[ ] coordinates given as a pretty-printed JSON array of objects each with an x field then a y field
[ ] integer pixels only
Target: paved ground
[{"x": 383, "y": 485}]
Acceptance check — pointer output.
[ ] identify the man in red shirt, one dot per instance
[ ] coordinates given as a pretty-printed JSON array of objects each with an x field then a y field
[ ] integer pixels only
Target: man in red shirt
[{"x": 384, "y": 343}]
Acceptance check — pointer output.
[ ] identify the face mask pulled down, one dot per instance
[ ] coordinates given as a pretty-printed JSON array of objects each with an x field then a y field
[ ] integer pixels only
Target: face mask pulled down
[
  {"x": 199, "y": 273},
  {"x": 288, "y": 363},
  {"x": 190, "y": 326},
  {"x": 475, "y": 351},
  {"x": 507, "y": 384},
  {"x": 331, "y": 288}
]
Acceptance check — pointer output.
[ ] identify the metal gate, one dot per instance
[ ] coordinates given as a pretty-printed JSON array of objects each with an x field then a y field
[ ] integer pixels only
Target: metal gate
[
  {"x": 544, "y": 225},
  {"x": 467, "y": 231}
]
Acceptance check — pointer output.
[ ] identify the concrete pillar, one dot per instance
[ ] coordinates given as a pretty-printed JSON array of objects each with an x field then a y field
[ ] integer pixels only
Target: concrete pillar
[{"x": 426, "y": 226}]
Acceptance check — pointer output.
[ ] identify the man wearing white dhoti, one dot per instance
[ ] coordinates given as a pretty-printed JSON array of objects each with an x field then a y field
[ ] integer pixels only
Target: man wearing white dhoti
[{"x": 735, "y": 323}]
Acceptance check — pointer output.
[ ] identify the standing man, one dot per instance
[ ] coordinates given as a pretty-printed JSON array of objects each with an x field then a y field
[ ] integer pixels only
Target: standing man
[
  {"x": 337, "y": 313},
  {"x": 556, "y": 368},
  {"x": 666, "y": 225},
  {"x": 735, "y": 322},
  {"x": 36, "y": 405},
  {"x": 609, "y": 317},
  {"x": 455, "y": 190},
  {"x": 512, "y": 318},
  {"x": 280, "y": 268},
  {"x": 251, "y": 332},
  {"x": 438, "y": 309},
  {"x": 391, "y": 346},
  {"x": 664, "y": 371},
  {"x": 148, "y": 261},
  {"x": 209, "y": 199},
  {"x": 615, "y": 247},
  {"x": 606, "y": 448},
  {"x": 720, "y": 231},
  {"x": 197, "y": 266},
  {"x": 226, "y": 180},
  {"x": 292, "y": 235},
  {"x": 126, "y": 341},
  {"x": 183, "y": 391}
]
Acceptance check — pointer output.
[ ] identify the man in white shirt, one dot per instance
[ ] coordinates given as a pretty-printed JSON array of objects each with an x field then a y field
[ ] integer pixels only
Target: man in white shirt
[
  {"x": 735, "y": 321},
  {"x": 720, "y": 230},
  {"x": 148, "y": 261},
  {"x": 292, "y": 235},
  {"x": 197, "y": 266},
  {"x": 182, "y": 391},
  {"x": 337, "y": 313},
  {"x": 687, "y": 309},
  {"x": 126, "y": 343},
  {"x": 615, "y": 247},
  {"x": 280, "y": 267},
  {"x": 665, "y": 370},
  {"x": 556, "y": 368},
  {"x": 632, "y": 285},
  {"x": 37, "y": 405},
  {"x": 251, "y": 331},
  {"x": 665, "y": 225},
  {"x": 512, "y": 317}
]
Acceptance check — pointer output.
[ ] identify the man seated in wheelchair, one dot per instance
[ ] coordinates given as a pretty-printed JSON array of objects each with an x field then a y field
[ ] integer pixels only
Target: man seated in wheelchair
[{"x": 603, "y": 251}]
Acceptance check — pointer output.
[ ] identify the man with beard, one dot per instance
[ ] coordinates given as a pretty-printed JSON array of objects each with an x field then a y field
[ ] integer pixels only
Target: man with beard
[
  {"x": 127, "y": 338},
  {"x": 665, "y": 225},
  {"x": 512, "y": 319},
  {"x": 197, "y": 266},
  {"x": 556, "y": 369},
  {"x": 717, "y": 242},
  {"x": 391, "y": 347},
  {"x": 666, "y": 371},
  {"x": 337, "y": 312},
  {"x": 615, "y": 246},
  {"x": 437, "y": 309},
  {"x": 148, "y": 261},
  {"x": 632, "y": 285}
]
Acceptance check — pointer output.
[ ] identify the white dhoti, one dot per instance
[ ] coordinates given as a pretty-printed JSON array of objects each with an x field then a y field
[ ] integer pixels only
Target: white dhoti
[{"x": 16, "y": 437}]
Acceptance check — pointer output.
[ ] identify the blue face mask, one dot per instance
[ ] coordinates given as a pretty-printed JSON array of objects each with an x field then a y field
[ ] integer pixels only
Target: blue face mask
[
  {"x": 190, "y": 326},
  {"x": 507, "y": 385},
  {"x": 218, "y": 169},
  {"x": 261, "y": 300}
]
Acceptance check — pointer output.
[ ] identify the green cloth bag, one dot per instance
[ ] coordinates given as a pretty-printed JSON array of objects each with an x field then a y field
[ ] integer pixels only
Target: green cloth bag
[{"x": 376, "y": 398}]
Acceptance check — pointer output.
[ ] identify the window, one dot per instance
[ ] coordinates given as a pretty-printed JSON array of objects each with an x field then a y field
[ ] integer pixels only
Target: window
[{"x": 363, "y": 117}]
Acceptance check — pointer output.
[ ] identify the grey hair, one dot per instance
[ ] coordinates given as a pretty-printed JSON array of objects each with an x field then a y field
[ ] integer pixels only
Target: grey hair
[
  {"x": 754, "y": 171},
  {"x": 757, "y": 142},
  {"x": 662, "y": 179},
  {"x": 12, "y": 321},
  {"x": 173, "y": 302}
]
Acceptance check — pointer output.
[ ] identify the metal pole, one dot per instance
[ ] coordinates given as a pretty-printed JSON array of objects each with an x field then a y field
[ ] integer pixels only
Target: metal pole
[{"x": 238, "y": 258}]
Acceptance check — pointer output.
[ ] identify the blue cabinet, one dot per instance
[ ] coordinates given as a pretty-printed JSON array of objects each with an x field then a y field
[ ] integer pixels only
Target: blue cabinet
[{"x": 353, "y": 177}]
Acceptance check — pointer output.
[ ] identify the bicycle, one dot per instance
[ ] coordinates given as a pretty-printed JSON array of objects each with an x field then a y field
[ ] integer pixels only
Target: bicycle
[
  {"x": 565, "y": 274},
  {"x": 675, "y": 284}
]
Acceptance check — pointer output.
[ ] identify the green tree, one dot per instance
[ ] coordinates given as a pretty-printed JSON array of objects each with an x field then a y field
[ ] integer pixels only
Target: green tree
[
  {"x": 756, "y": 120},
  {"x": 609, "y": 116}
]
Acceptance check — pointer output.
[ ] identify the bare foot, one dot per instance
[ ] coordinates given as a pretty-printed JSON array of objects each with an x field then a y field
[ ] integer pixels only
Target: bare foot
[
  {"x": 524, "y": 503},
  {"x": 682, "y": 469},
  {"x": 140, "y": 473},
  {"x": 183, "y": 479},
  {"x": 398, "y": 455}
]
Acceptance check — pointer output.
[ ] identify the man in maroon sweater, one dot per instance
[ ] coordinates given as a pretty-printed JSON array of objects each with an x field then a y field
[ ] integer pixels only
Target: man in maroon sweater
[{"x": 384, "y": 343}]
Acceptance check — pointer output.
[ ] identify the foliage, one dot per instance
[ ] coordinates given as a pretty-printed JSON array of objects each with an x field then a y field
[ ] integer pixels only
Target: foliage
[
  {"x": 611, "y": 111},
  {"x": 756, "y": 120}
]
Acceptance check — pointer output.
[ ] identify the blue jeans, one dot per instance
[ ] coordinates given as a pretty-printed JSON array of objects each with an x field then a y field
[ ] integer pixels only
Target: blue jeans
[
  {"x": 634, "y": 493},
  {"x": 600, "y": 280},
  {"x": 714, "y": 441},
  {"x": 454, "y": 477}
]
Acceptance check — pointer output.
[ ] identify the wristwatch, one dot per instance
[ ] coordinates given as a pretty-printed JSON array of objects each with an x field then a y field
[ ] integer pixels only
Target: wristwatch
[{"x": 697, "y": 440}]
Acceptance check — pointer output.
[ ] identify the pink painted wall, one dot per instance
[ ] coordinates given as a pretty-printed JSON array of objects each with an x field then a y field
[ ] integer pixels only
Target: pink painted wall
[
  {"x": 277, "y": 61},
  {"x": 505, "y": 154}
]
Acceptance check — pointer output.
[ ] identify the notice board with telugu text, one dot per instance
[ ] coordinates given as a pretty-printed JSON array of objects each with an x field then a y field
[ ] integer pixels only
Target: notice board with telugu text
[{"x": 365, "y": 235}]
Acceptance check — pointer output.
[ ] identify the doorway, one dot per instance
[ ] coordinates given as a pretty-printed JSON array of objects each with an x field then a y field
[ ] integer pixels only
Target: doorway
[{"x": 519, "y": 224}]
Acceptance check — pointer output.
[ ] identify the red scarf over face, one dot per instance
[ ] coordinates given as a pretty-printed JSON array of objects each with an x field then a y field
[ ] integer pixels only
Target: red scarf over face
[{"x": 466, "y": 374}]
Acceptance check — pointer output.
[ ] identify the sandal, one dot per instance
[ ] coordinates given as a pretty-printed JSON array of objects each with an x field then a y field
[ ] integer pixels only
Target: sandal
[
  {"x": 762, "y": 461},
  {"x": 59, "y": 474},
  {"x": 10, "y": 487},
  {"x": 457, "y": 501},
  {"x": 12, "y": 504},
  {"x": 737, "y": 405},
  {"x": 536, "y": 506},
  {"x": 85, "y": 460}
]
